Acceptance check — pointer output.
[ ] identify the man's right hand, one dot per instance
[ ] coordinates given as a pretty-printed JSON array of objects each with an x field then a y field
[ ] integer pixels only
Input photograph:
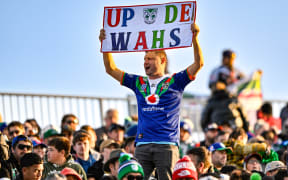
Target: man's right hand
[{"x": 102, "y": 35}]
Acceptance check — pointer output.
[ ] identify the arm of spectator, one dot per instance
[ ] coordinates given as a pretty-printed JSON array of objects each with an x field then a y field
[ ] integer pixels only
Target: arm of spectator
[
  {"x": 109, "y": 63},
  {"x": 198, "y": 57}
]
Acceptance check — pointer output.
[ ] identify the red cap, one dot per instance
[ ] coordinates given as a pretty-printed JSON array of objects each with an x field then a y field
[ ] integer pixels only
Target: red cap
[
  {"x": 69, "y": 171},
  {"x": 184, "y": 168}
]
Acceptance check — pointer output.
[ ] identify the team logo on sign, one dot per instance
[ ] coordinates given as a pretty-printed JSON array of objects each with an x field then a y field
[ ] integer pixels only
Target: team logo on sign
[{"x": 150, "y": 15}]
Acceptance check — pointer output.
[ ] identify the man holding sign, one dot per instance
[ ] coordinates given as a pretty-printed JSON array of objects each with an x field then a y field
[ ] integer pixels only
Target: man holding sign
[{"x": 158, "y": 97}]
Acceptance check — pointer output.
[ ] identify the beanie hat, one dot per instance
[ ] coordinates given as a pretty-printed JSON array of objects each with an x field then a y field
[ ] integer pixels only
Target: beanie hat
[
  {"x": 184, "y": 168},
  {"x": 255, "y": 176},
  {"x": 128, "y": 164}
]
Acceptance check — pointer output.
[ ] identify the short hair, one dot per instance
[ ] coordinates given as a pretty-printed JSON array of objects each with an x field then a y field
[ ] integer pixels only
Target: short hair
[
  {"x": 237, "y": 132},
  {"x": 34, "y": 124},
  {"x": 67, "y": 116},
  {"x": 128, "y": 141},
  {"x": 87, "y": 128},
  {"x": 29, "y": 159},
  {"x": 61, "y": 143},
  {"x": 266, "y": 108},
  {"x": 15, "y": 123},
  {"x": 162, "y": 53},
  {"x": 239, "y": 174},
  {"x": 202, "y": 154},
  {"x": 81, "y": 135}
]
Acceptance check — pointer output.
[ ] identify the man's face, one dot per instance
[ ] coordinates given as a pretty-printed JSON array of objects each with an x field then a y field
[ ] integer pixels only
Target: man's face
[
  {"x": 219, "y": 158},
  {"x": 21, "y": 149},
  {"x": 72, "y": 122},
  {"x": 229, "y": 61},
  {"x": 184, "y": 135},
  {"x": 211, "y": 135},
  {"x": 40, "y": 151},
  {"x": 253, "y": 164},
  {"x": 111, "y": 118},
  {"x": 117, "y": 135},
  {"x": 114, "y": 168},
  {"x": 15, "y": 131},
  {"x": 153, "y": 64},
  {"x": 53, "y": 155},
  {"x": 82, "y": 147},
  {"x": 33, "y": 172}
]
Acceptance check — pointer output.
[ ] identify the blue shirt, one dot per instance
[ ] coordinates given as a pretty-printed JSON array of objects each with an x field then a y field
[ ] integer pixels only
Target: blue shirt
[{"x": 158, "y": 114}]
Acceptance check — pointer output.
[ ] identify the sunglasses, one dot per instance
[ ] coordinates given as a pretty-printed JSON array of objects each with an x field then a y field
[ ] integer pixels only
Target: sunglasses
[
  {"x": 12, "y": 132},
  {"x": 131, "y": 177},
  {"x": 71, "y": 122},
  {"x": 23, "y": 146}
]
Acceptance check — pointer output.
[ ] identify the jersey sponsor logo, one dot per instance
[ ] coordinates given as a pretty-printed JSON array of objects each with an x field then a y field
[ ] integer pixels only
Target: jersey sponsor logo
[{"x": 152, "y": 99}]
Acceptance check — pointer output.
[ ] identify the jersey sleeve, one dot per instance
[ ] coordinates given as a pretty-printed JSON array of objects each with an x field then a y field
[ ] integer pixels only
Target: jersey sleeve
[
  {"x": 129, "y": 80},
  {"x": 182, "y": 79}
]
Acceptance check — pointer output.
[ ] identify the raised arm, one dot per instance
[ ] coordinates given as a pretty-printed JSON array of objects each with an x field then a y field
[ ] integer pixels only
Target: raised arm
[
  {"x": 109, "y": 63},
  {"x": 198, "y": 57}
]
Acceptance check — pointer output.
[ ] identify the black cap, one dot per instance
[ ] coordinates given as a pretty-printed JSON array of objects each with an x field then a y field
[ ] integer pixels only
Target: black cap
[
  {"x": 228, "y": 53},
  {"x": 116, "y": 127}
]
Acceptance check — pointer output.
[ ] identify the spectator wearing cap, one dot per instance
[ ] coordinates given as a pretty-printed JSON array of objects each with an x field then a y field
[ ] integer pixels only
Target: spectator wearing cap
[
  {"x": 83, "y": 155},
  {"x": 219, "y": 155},
  {"x": 15, "y": 128},
  {"x": 129, "y": 168},
  {"x": 116, "y": 133},
  {"x": 106, "y": 147},
  {"x": 20, "y": 146},
  {"x": 112, "y": 165},
  {"x": 111, "y": 117},
  {"x": 49, "y": 135},
  {"x": 129, "y": 145},
  {"x": 226, "y": 72},
  {"x": 210, "y": 133},
  {"x": 273, "y": 167},
  {"x": 185, "y": 137},
  {"x": 238, "y": 142},
  {"x": 201, "y": 158},
  {"x": 70, "y": 120},
  {"x": 184, "y": 169},
  {"x": 252, "y": 162},
  {"x": 70, "y": 174},
  {"x": 31, "y": 167},
  {"x": 59, "y": 157},
  {"x": 39, "y": 148}
]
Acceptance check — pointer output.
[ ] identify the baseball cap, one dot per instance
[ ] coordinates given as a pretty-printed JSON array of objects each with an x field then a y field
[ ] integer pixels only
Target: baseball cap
[
  {"x": 50, "y": 132},
  {"x": 116, "y": 127},
  {"x": 219, "y": 147},
  {"x": 20, "y": 138},
  {"x": 107, "y": 143},
  {"x": 184, "y": 168},
  {"x": 69, "y": 171},
  {"x": 271, "y": 166},
  {"x": 114, "y": 156},
  {"x": 256, "y": 155},
  {"x": 37, "y": 143},
  {"x": 228, "y": 53},
  {"x": 185, "y": 126}
]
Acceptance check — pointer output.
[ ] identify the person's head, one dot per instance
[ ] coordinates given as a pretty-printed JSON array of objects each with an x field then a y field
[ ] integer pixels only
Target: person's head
[
  {"x": 70, "y": 120},
  {"x": 50, "y": 134},
  {"x": 184, "y": 169},
  {"x": 20, "y": 146},
  {"x": 201, "y": 158},
  {"x": 67, "y": 131},
  {"x": 239, "y": 174},
  {"x": 32, "y": 128},
  {"x": 15, "y": 128},
  {"x": 128, "y": 145},
  {"x": 116, "y": 132},
  {"x": 253, "y": 162},
  {"x": 111, "y": 117},
  {"x": 273, "y": 167},
  {"x": 32, "y": 166},
  {"x": 239, "y": 134},
  {"x": 70, "y": 174},
  {"x": 39, "y": 148},
  {"x": 81, "y": 144},
  {"x": 228, "y": 57},
  {"x": 219, "y": 154},
  {"x": 92, "y": 133},
  {"x": 112, "y": 163},
  {"x": 266, "y": 109},
  {"x": 155, "y": 63},
  {"x": 222, "y": 136},
  {"x": 282, "y": 174},
  {"x": 129, "y": 168},
  {"x": 58, "y": 150},
  {"x": 185, "y": 131},
  {"x": 56, "y": 176},
  {"x": 211, "y": 131},
  {"x": 106, "y": 147}
]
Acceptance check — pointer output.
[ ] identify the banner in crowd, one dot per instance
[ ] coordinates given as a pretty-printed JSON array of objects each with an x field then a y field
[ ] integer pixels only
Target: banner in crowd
[{"x": 148, "y": 27}]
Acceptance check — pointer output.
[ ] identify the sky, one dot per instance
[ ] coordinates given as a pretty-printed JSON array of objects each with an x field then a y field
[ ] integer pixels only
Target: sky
[{"x": 52, "y": 47}]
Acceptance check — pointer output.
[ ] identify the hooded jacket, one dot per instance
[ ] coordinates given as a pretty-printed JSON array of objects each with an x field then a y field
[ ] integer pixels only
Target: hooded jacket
[{"x": 50, "y": 168}]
